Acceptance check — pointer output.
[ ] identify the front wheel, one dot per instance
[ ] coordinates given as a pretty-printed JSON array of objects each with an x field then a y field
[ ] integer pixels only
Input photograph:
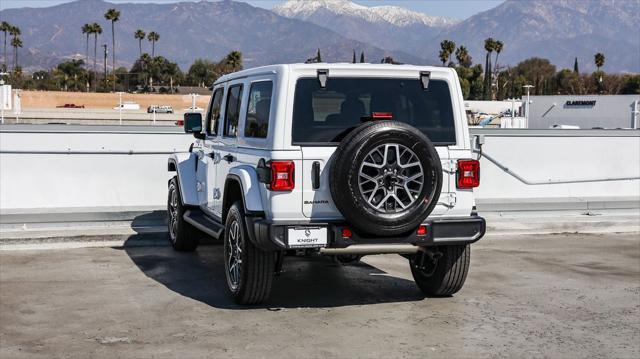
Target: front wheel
[
  {"x": 248, "y": 269},
  {"x": 441, "y": 271},
  {"x": 184, "y": 237}
]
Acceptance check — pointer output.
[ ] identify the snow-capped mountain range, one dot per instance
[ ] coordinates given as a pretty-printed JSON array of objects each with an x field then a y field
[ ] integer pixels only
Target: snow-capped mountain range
[
  {"x": 559, "y": 30},
  {"x": 398, "y": 16}
]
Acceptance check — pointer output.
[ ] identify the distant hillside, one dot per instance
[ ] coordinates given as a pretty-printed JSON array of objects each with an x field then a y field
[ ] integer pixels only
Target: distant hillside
[
  {"x": 188, "y": 30},
  {"x": 559, "y": 30},
  {"x": 390, "y": 27}
]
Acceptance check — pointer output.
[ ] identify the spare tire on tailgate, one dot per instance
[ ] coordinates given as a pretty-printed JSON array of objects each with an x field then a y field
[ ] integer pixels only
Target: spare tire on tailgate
[{"x": 386, "y": 178}]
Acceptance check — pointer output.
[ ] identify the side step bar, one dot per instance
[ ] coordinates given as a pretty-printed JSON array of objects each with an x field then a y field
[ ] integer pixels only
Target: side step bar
[
  {"x": 204, "y": 223},
  {"x": 372, "y": 249}
]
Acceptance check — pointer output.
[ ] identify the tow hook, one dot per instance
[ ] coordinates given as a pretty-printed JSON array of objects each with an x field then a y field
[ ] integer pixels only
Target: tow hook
[{"x": 421, "y": 260}]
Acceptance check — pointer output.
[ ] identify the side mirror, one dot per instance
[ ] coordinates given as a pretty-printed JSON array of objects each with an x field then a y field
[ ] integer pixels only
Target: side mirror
[{"x": 193, "y": 124}]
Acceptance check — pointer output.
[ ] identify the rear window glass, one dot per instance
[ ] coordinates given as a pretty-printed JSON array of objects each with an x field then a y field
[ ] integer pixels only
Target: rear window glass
[{"x": 322, "y": 116}]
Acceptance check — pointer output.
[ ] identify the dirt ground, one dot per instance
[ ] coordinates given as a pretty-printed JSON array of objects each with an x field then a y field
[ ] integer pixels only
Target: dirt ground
[
  {"x": 91, "y": 100},
  {"x": 554, "y": 296}
]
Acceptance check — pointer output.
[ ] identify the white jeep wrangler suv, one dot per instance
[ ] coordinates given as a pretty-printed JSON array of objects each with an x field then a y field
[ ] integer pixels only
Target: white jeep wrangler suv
[{"x": 342, "y": 160}]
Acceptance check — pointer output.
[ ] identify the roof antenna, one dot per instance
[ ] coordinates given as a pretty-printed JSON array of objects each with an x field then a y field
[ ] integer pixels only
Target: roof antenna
[
  {"x": 424, "y": 79},
  {"x": 323, "y": 74}
]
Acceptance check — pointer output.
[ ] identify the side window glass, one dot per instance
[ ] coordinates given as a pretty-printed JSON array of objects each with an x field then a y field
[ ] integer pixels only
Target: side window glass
[
  {"x": 232, "y": 112},
  {"x": 213, "y": 116},
  {"x": 258, "y": 109}
]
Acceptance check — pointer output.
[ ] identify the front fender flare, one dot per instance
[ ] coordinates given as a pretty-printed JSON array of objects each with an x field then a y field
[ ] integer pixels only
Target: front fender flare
[{"x": 185, "y": 166}]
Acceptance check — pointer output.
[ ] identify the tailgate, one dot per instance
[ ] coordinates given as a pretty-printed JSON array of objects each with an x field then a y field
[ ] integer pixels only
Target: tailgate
[{"x": 318, "y": 204}]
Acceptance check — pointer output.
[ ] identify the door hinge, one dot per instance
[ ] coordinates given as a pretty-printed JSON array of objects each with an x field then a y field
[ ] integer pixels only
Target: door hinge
[
  {"x": 450, "y": 166},
  {"x": 216, "y": 193},
  {"x": 199, "y": 186}
]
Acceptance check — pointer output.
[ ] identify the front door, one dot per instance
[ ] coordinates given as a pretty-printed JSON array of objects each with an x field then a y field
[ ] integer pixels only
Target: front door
[{"x": 210, "y": 158}]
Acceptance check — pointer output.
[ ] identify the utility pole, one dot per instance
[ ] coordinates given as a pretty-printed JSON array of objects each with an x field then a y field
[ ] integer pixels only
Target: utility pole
[{"x": 104, "y": 46}]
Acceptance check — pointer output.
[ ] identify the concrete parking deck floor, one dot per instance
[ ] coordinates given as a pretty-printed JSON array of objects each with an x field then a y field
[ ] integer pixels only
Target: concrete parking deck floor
[{"x": 526, "y": 296}]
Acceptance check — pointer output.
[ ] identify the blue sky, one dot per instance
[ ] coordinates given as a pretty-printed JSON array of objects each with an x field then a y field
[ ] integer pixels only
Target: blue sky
[{"x": 459, "y": 9}]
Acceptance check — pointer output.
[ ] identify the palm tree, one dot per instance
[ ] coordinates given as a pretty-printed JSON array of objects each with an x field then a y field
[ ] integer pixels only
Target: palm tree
[
  {"x": 15, "y": 32},
  {"x": 5, "y": 27},
  {"x": 153, "y": 37},
  {"x": 140, "y": 35},
  {"x": 234, "y": 60},
  {"x": 498, "y": 46},
  {"x": 599, "y": 59},
  {"x": 16, "y": 43},
  {"x": 86, "y": 29},
  {"x": 96, "y": 30},
  {"x": 489, "y": 45},
  {"x": 462, "y": 55},
  {"x": 447, "y": 48},
  {"x": 113, "y": 15}
]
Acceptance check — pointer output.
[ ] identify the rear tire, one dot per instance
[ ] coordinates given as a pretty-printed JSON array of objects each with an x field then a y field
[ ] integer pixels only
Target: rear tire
[
  {"x": 248, "y": 269},
  {"x": 448, "y": 275},
  {"x": 183, "y": 236}
]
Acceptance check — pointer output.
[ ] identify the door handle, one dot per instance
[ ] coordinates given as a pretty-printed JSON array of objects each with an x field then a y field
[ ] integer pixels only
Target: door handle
[
  {"x": 215, "y": 156},
  {"x": 315, "y": 175},
  {"x": 229, "y": 158}
]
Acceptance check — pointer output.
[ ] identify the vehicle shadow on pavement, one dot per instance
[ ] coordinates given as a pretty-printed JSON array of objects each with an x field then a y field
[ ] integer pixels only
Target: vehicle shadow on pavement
[{"x": 304, "y": 282}]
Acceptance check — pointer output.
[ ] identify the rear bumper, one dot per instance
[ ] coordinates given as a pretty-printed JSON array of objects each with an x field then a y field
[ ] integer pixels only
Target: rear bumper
[{"x": 270, "y": 235}]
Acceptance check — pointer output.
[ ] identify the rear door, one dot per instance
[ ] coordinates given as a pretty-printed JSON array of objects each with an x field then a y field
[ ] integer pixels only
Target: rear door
[{"x": 321, "y": 117}]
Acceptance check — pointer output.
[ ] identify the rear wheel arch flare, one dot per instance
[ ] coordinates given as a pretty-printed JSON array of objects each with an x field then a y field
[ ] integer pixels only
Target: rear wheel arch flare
[{"x": 232, "y": 193}]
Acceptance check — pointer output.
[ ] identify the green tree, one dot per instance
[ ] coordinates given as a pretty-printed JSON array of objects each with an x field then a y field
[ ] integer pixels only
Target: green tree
[
  {"x": 202, "y": 73},
  {"x": 86, "y": 29},
  {"x": 447, "y": 48},
  {"x": 498, "y": 46},
  {"x": 463, "y": 57},
  {"x": 576, "y": 70},
  {"x": 16, "y": 43},
  {"x": 362, "y": 57},
  {"x": 599, "y": 60},
  {"x": 353, "y": 61},
  {"x": 233, "y": 61},
  {"x": 96, "y": 30},
  {"x": 140, "y": 35},
  {"x": 113, "y": 15},
  {"x": 71, "y": 75},
  {"x": 318, "y": 56},
  {"x": 489, "y": 46},
  {"x": 153, "y": 37},
  {"x": 537, "y": 72},
  {"x": 5, "y": 27}
]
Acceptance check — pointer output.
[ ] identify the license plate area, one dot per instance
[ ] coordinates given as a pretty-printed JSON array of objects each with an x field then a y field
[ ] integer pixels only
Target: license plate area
[{"x": 307, "y": 237}]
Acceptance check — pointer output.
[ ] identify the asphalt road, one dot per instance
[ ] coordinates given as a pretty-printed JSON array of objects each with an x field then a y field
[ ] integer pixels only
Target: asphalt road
[{"x": 526, "y": 296}]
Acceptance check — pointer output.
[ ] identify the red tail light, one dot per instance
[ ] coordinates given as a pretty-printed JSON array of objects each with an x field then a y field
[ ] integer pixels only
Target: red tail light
[
  {"x": 422, "y": 230},
  {"x": 346, "y": 233},
  {"x": 468, "y": 173},
  {"x": 282, "y": 175}
]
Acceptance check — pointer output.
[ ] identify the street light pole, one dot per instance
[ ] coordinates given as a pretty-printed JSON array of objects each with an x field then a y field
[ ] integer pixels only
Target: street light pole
[
  {"x": 526, "y": 109},
  {"x": 104, "y": 46}
]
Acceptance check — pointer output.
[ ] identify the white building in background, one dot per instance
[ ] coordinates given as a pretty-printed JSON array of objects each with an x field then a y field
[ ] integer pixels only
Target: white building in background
[{"x": 585, "y": 111}]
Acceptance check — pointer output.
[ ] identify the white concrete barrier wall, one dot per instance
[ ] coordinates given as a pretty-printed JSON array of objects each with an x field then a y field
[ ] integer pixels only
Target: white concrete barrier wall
[
  {"x": 559, "y": 169},
  {"x": 85, "y": 168},
  {"x": 89, "y": 169}
]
